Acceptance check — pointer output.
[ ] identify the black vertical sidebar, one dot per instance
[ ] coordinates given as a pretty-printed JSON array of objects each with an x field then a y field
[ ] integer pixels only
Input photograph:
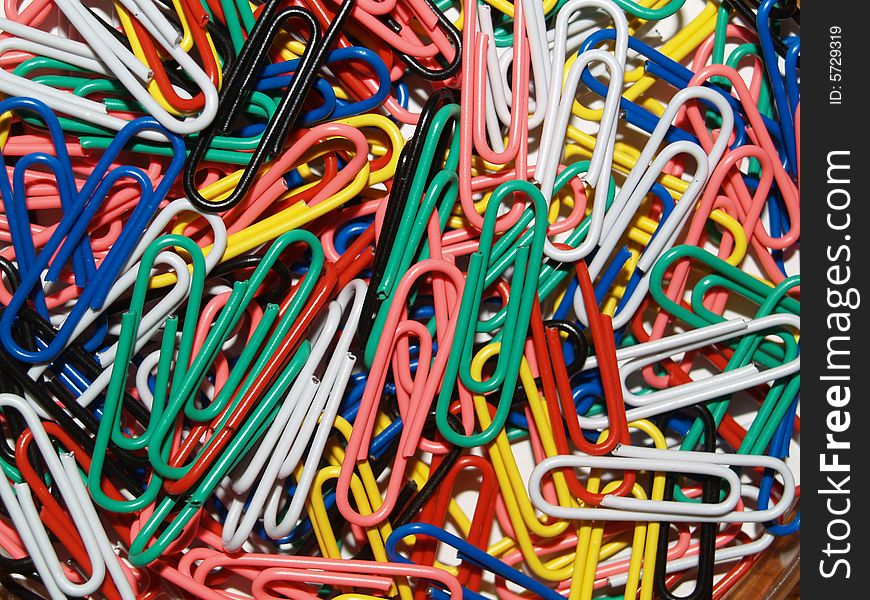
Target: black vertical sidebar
[{"x": 835, "y": 298}]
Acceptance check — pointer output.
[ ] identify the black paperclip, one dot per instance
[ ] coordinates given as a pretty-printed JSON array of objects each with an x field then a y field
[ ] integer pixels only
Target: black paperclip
[
  {"x": 409, "y": 160},
  {"x": 747, "y": 10},
  {"x": 707, "y": 542},
  {"x": 415, "y": 66},
  {"x": 239, "y": 84}
]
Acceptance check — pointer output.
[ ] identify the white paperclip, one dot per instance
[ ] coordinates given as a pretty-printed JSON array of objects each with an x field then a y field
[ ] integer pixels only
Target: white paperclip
[
  {"x": 598, "y": 176},
  {"x": 637, "y": 185},
  {"x": 308, "y": 413},
  {"x": 560, "y": 99},
  {"x": 636, "y": 357},
  {"x": 25, "y": 516},
  {"x": 616, "y": 508}
]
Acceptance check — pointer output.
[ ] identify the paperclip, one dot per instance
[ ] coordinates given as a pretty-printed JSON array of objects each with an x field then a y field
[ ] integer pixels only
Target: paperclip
[
  {"x": 636, "y": 187},
  {"x": 403, "y": 219},
  {"x": 599, "y": 172},
  {"x": 110, "y": 423},
  {"x": 558, "y": 104},
  {"x": 185, "y": 381},
  {"x": 282, "y": 348},
  {"x": 65, "y": 239},
  {"x": 662, "y": 401},
  {"x": 425, "y": 385},
  {"x": 606, "y": 359},
  {"x": 238, "y": 82},
  {"x": 473, "y": 103},
  {"x": 469, "y": 575},
  {"x": 196, "y": 25},
  {"x": 519, "y": 307},
  {"x": 19, "y": 503},
  {"x": 707, "y": 541},
  {"x": 330, "y": 566},
  {"x": 450, "y": 32},
  {"x": 363, "y": 487},
  {"x": 616, "y": 508}
]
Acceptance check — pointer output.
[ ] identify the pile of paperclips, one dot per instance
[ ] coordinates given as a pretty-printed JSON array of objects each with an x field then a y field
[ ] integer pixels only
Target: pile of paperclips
[{"x": 365, "y": 299}]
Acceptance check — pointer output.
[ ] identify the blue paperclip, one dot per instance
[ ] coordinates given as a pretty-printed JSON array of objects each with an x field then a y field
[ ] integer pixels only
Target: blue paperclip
[
  {"x": 273, "y": 77},
  {"x": 675, "y": 74},
  {"x": 15, "y": 204},
  {"x": 14, "y": 197},
  {"x": 784, "y": 108},
  {"x": 466, "y": 552},
  {"x": 779, "y": 447},
  {"x": 72, "y": 228}
]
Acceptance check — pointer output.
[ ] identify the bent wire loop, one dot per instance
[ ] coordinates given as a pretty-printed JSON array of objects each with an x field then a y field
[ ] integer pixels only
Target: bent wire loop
[
  {"x": 616, "y": 508},
  {"x": 71, "y": 230},
  {"x": 238, "y": 84}
]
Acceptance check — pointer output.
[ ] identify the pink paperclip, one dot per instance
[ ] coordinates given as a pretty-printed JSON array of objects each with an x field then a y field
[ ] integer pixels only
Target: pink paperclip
[
  {"x": 426, "y": 383},
  {"x": 209, "y": 560},
  {"x": 33, "y": 14},
  {"x": 473, "y": 109},
  {"x": 401, "y": 363},
  {"x": 759, "y": 134},
  {"x": 736, "y": 32},
  {"x": 372, "y": 571},
  {"x": 270, "y": 186}
]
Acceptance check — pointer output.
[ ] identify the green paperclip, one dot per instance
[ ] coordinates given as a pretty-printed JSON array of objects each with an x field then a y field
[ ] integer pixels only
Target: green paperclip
[
  {"x": 186, "y": 381},
  {"x": 550, "y": 275},
  {"x": 750, "y": 286},
  {"x": 763, "y": 426},
  {"x": 249, "y": 433},
  {"x": 527, "y": 266},
  {"x": 443, "y": 190},
  {"x": 110, "y": 423},
  {"x": 650, "y": 14},
  {"x": 770, "y": 300}
]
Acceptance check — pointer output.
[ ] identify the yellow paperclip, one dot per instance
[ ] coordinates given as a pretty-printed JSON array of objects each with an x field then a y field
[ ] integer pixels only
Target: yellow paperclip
[
  {"x": 366, "y": 494},
  {"x": 644, "y": 538},
  {"x": 519, "y": 507}
]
